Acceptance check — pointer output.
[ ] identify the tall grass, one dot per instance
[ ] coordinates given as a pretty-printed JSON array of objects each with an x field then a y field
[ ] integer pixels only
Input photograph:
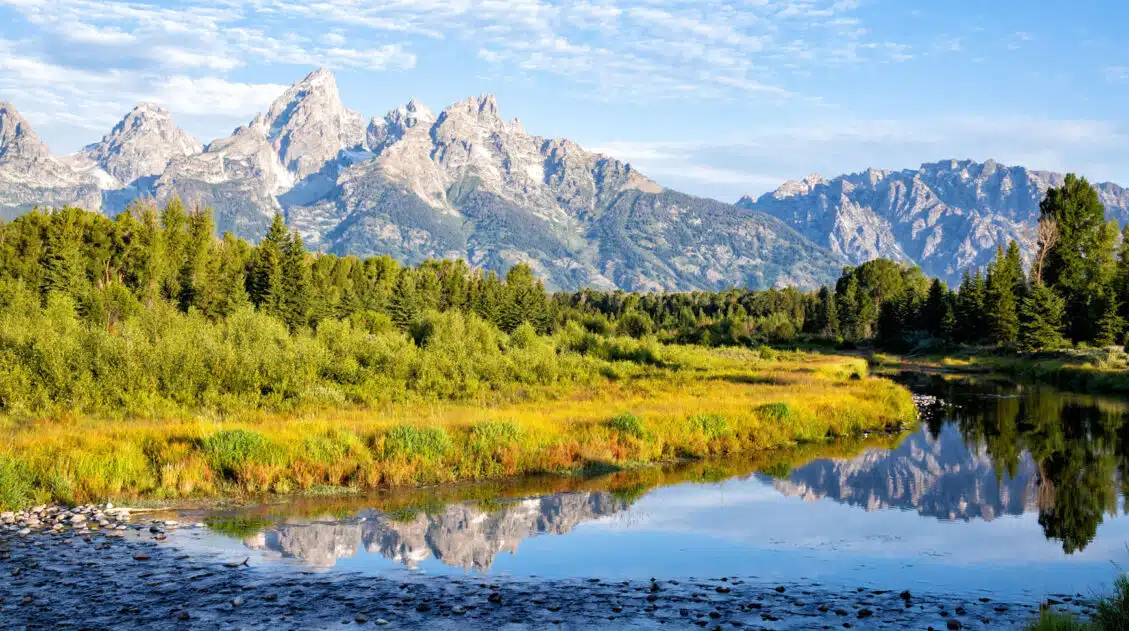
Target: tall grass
[
  {"x": 699, "y": 403},
  {"x": 1111, "y": 614}
]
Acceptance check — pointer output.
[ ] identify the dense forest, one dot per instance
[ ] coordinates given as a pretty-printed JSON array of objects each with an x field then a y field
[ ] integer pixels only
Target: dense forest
[{"x": 91, "y": 307}]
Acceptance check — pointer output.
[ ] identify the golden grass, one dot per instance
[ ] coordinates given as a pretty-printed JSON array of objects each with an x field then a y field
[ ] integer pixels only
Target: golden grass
[{"x": 753, "y": 403}]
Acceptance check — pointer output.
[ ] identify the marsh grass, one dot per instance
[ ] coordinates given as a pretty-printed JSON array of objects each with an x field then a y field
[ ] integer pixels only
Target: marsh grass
[
  {"x": 700, "y": 403},
  {"x": 1111, "y": 614}
]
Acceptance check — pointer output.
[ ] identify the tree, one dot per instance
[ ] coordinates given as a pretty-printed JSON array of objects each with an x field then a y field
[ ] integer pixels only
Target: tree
[
  {"x": 970, "y": 307},
  {"x": 1111, "y": 325},
  {"x": 265, "y": 273},
  {"x": 936, "y": 306},
  {"x": 294, "y": 290},
  {"x": 1041, "y": 320},
  {"x": 1001, "y": 306},
  {"x": 1073, "y": 268},
  {"x": 1046, "y": 238}
]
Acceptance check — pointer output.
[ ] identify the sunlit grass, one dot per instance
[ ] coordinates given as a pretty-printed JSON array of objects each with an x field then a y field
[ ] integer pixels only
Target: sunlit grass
[{"x": 700, "y": 403}]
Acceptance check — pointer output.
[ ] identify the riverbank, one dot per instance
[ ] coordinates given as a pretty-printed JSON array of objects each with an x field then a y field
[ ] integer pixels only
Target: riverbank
[
  {"x": 137, "y": 580},
  {"x": 1095, "y": 371},
  {"x": 694, "y": 404}
]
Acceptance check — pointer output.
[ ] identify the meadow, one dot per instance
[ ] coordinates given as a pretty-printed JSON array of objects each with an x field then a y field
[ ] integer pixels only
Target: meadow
[{"x": 169, "y": 406}]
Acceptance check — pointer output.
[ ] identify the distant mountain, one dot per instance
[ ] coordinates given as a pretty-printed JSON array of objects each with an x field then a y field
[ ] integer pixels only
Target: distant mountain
[
  {"x": 414, "y": 184},
  {"x": 946, "y": 216}
]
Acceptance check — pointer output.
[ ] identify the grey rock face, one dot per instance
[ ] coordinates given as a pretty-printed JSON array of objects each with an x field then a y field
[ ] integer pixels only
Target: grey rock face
[
  {"x": 415, "y": 185},
  {"x": 945, "y": 216},
  {"x": 30, "y": 176},
  {"x": 143, "y": 144}
]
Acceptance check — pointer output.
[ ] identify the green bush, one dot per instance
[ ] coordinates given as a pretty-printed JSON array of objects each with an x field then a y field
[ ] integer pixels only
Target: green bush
[
  {"x": 425, "y": 443},
  {"x": 227, "y": 450},
  {"x": 628, "y": 425},
  {"x": 776, "y": 412},
  {"x": 490, "y": 435},
  {"x": 711, "y": 425},
  {"x": 17, "y": 487}
]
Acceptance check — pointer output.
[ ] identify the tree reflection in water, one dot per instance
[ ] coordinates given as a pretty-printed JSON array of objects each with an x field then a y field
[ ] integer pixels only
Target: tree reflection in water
[{"x": 1079, "y": 443}]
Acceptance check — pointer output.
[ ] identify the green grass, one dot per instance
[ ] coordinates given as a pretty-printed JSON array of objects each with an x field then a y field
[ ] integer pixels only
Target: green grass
[
  {"x": 1112, "y": 614},
  {"x": 701, "y": 403}
]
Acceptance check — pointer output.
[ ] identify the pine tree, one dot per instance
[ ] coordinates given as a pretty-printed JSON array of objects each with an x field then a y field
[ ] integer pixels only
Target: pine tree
[
  {"x": 1074, "y": 267},
  {"x": 1110, "y": 325},
  {"x": 265, "y": 273},
  {"x": 970, "y": 308},
  {"x": 62, "y": 258},
  {"x": 404, "y": 307},
  {"x": 1001, "y": 305},
  {"x": 293, "y": 290},
  {"x": 1041, "y": 317},
  {"x": 933, "y": 313}
]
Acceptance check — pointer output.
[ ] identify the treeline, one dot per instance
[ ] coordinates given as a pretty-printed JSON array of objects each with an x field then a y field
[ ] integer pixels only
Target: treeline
[{"x": 1074, "y": 290}]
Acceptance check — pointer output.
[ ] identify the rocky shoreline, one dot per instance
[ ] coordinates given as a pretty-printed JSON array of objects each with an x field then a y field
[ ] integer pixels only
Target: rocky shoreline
[{"x": 95, "y": 568}]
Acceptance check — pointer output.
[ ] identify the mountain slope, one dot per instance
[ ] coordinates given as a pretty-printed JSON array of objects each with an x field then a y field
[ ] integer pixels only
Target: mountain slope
[
  {"x": 945, "y": 216},
  {"x": 414, "y": 184},
  {"x": 30, "y": 176}
]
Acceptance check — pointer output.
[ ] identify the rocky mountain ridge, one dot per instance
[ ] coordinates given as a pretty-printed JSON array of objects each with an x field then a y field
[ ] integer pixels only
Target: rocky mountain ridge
[
  {"x": 413, "y": 184},
  {"x": 945, "y": 216}
]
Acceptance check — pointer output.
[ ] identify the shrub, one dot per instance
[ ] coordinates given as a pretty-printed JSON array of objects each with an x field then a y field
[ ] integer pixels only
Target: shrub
[
  {"x": 628, "y": 425},
  {"x": 17, "y": 488},
  {"x": 489, "y": 435},
  {"x": 227, "y": 451},
  {"x": 426, "y": 443},
  {"x": 775, "y": 412},
  {"x": 711, "y": 425}
]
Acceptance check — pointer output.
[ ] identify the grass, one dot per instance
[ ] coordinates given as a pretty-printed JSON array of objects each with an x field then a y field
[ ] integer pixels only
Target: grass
[
  {"x": 1104, "y": 370},
  {"x": 695, "y": 403},
  {"x": 1112, "y": 614}
]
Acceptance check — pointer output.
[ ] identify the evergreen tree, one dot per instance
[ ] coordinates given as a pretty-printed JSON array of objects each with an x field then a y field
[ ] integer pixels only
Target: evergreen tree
[
  {"x": 933, "y": 313},
  {"x": 1110, "y": 325},
  {"x": 1001, "y": 305},
  {"x": 1041, "y": 317},
  {"x": 1074, "y": 267},
  {"x": 404, "y": 307},
  {"x": 62, "y": 258},
  {"x": 265, "y": 273},
  {"x": 970, "y": 308},
  {"x": 294, "y": 289}
]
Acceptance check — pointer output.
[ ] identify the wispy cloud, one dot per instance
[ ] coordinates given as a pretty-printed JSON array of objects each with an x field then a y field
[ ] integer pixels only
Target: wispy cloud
[{"x": 751, "y": 162}]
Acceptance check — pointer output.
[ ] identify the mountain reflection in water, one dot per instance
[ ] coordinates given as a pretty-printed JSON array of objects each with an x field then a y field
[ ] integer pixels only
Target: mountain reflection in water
[
  {"x": 986, "y": 450},
  {"x": 463, "y": 534}
]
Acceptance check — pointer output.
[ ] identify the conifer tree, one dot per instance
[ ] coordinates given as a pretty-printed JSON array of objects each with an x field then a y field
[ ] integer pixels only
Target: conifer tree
[
  {"x": 1001, "y": 305},
  {"x": 404, "y": 307},
  {"x": 293, "y": 290},
  {"x": 265, "y": 273},
  {"x": 1041, "y": 319}
]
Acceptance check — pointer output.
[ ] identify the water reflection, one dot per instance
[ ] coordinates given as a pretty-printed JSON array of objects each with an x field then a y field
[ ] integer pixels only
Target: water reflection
[
  {"x": 1077, "y": 445},
  {"x": 467, "y": 535},
  {"x": 987, "y": 450}
]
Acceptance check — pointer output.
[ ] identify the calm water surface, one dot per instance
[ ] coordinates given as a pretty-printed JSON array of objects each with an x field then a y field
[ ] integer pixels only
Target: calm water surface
[{"x": 1005, "y": 489}]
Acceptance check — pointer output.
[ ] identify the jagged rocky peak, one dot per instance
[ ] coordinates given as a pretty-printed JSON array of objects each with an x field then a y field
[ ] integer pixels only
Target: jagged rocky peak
[
  {"x": 142, "y": 144},
  {"x": 383, "y": 132},
  {"x": 16, "y": 136},
  {"x": 309, "y": 126}
]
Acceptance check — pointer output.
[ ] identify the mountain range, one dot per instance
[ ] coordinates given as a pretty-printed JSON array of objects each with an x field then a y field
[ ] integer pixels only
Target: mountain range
[
  {"x": 466, "y": 183},
  {"x": 945, "y": 216},
  {"x": 414, "y": 184}
]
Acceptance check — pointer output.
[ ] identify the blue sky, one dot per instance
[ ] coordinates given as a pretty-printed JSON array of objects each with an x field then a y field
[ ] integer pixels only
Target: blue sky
[{"x": 714, "y": 97}]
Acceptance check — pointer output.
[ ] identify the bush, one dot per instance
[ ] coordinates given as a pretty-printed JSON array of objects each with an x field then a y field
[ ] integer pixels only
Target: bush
[
  {"x": 711, "y": 425},
  {"x": 227, "y": 451},
  {"x": 425, "y": 443},
  {"x": 489, "y": 435},
  {"x": 775, "y": 412},
  {"x": 628, "y": 425}
]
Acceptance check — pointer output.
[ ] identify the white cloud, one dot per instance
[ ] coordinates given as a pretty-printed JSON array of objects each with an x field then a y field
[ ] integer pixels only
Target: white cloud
[
  {"x": 754, "y": 162},
  {"x": 1117, "y": 73},
  {"x": 212, "y": 96}
]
